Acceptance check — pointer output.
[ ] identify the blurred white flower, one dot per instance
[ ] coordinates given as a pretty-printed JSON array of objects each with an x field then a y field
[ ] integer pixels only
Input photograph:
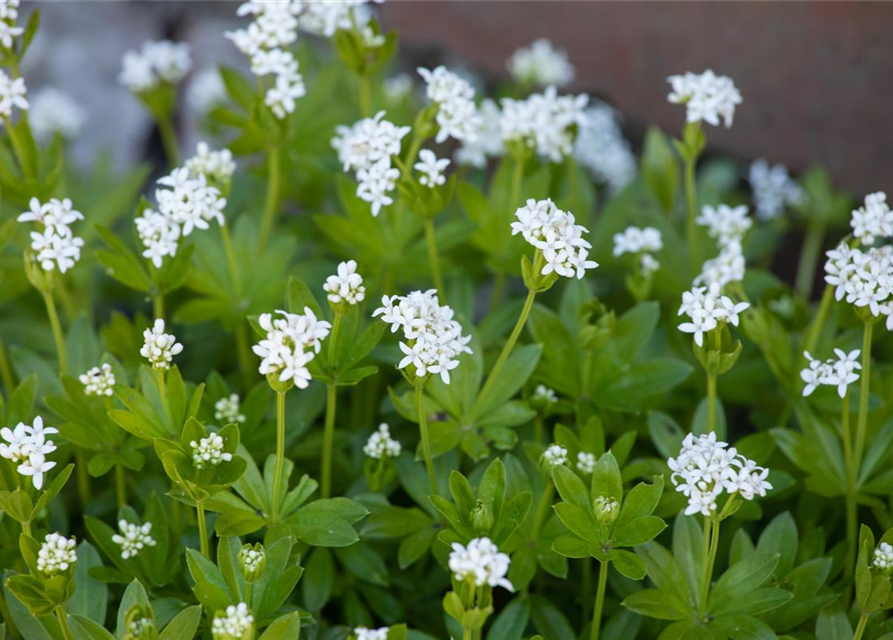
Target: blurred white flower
[
  {"x": 12, "y": 95},
  {"x": 555, "y": 455},
  {"x": 706, "y": 96},
  {"x": 157, "y": 62},
  {"x": 487, "y": 140},
  {"x": 601, "y": 147},
  {"x": 228, "y": 410},
  {"x": 99, "y": 381},
  {"x": 454, "y": 96},
  {"x": 872, "y": 220},
  {"x": 381, "y": 445},
  {"x": 545, "y": 122},
  {"x": 233, "y": 624},
  {"x": 541, "y": 64},
  {"x": 725, "y": 223},
  {"x": 346, "y": 285},
  {"x": 586, "y": 462},
  {"x": 133, "y": 538},
  {"x": 773, "y": 189},
  {"x": 431, "y": 168},
  {"x": 216, "y": 166},
  {"x": 54, "y": 112},
  {"x": 206, "y": 91}
]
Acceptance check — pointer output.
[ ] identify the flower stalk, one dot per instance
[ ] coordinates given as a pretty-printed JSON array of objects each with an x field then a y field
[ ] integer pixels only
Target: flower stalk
[
  {"x": 423, "y": 431},
  {"x": 280, "y": 454},
  {"x": 599, "y": 600},
  {"x": 271, "y": 204}
]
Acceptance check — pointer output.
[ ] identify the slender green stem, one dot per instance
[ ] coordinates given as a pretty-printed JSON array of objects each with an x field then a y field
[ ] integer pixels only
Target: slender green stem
[
  {"x": 244, "y": 352},
  {"x": 26, "y": 528},
  {"x": 365, "y": 95},
  {"x": 271, "y": 205},
  {"x": 809, "y": 257},
  {"x": 466, "y": 634},
  {"x": 423, "y": 431},
  {"x": 235, "y": 281},
  {"x": 58, "y": 336},
  {"x": 517, "y": 179},
  {"x": 333, "y": 342},
  {"x": 62, "y": 617},
  {"x": 6, "y": 370},
  {"x": 537, "y": 428},
  {"x": 708, "y": 557},
  {"x": 711, "y": 403},
  {"x": 158, "y": 305},
  {"x": 860, "y": 627},
  {"x": 162, "y": 392},
  {"x": 202, "y": 528},
  {"x": 169, "y": 141},
  {"x": 815, "y": 329},
  {"x": 83, "y": 478},
  {"x": 849, "y": 491},
  {"x": 542, "y": 509},
  {"x": 510, "y": 344},
  {"x": 433, "y": 258},
  {"x": 280, "y": 453},
  {"x": 328, "y": 439},
  {"x": 120, "y": 485},
  {"x": 248, "y": 590},
  {"x": 862, "y": 424},
  {"x": 599, "y": 600},
  {"x": 695, "y": 250}
]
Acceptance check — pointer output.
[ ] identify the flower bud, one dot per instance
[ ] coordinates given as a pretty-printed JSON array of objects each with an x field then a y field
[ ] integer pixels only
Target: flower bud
[
  {"x": 252, "y": 561},
  {"x": 606, "y": 509},
  {"x": 139, "y": 623},
  {"x": 481, "y": 518}
]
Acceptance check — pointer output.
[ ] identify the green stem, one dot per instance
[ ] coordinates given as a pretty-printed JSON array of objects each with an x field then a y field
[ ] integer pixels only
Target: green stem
[
  {"x": 509, "y": 345},
  {"x": 328, "y": 439},
  {"x": 158, "y": 306},
  {"x": 815, "y": 329},
  {"x": 248, "y": 589},
  {"x": 243, "y": 352},
  {"x": 809, "y": 257},
  {"x": 542, "y": 509},
  {"x": 537, "y": 428},
  {"x": 58, "y": 336},
  {"x": 466, "y": 634},
  {"x": 860, "y": 627},
  {"x": 271, "y": 205},
  {"x": 333, "y": 342},
  {"x": 235, "y": 281},
  {"x": 365, "y": 95},
  {"x": 433, "y": 258},
  {"x": 202, "y": 528},
  {"x": 62, "y": 617},
  {"x": 517, "y": 179},
  {"x": 862, "y": 424},
  {"x": 708, "y": 558},
  {"x": 498, "y": 287},
  {"x": 169, "y": 142},
  {"x": 423, "y": 430},
  {"x": 694, "y": 248},
  {"x": 599, "y": 600},
  {"x": 711, "y": 403},
  {"x": 120, "y": 485},
  {"x": 83, "y": 478},
  {"x": 849, "y": 493},
  {"x": 280, "y": 452},
  {"x": 6, "y": 370}
]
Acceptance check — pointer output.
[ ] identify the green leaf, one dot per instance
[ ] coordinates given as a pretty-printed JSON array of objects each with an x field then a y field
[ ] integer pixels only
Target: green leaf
[
  {"x": 571, "y": 488},
  {"x": 656, "y": 603},
  {"x": 287, "y": 627},
  {"x": 741, "y": 579},
  {"x": 86, "y": 629},
  {"x": 660, "y": 168},
  {"x": 90, "y": 596},
  {"x": 184, "y": 624}
]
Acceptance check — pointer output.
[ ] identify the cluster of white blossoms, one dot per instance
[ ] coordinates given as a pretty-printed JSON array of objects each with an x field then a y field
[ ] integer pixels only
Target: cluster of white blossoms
[
  {"x": 228, "y": 410},
  {"x": 601, "y": 147},
  {"x": 433, "y": 339},
  {"x": 586, "y": 462},
  {"x": 557, "y": 234},
  {"x": 133, "y": 538},
  {"x": 28, "y": 446},
  {"x": 555, "y": 455},
  {"x": 185, "y": 202},
  {"x": 706, "y": 467},
  {"x": 481, "y": 563},
  {"x": 642, "y": 243},
  {"x": 206, "y": 91},
  {"x": 864, "y": 278},
  {"x": 57, "y": 554},
  {"x": 541, "y": 65},
  {"x": 346, "y": 285},
  {"x": 381, "y": 445},
  {"x": 706, "y": 96},
  {"x": 159, "y": 348},
  {"x": 431, "y": 169},
  {"x": 708, "y": 309},
  {"x": 873, "y": 219},
  {"x": 216, "y": 166},
  {"x": 838, "y": 373},
  {"x": 367, "y": 147},
  {"x": 9, "y": 13},
  {"x": 727, "y": 225},
  {"x": 157, "y": 62},
  {"x": 234, "y": 623},
  {"x": 326, "y": 18},
  {"x": 454, "y": 96},
  {"x": 99, "y": 381},
  {"x": 266, "y": 42},
  {"x": 55, "y": 112},
  {"x": 364, "y": 633},
  {"x": 251, "y": 557},
  {"x": 883, "y": 557},
  {"x": 140, "y": 626},
  {"x": 487, "y": 141},
  {"x": 54, "y": 245},
  {"x": 292, "y": 341},
  {"x": 12, "y": 90},
  {"x": 544, "y": 394},
  {"x": 208, "y": 452},
  {"x": 773, "y": 189},
  {"x": 545, "y": 122},
  {"x": 605, "y": 506}
]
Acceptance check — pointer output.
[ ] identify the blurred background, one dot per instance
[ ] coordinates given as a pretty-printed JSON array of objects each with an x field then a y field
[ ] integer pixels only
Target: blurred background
[{"x": 816, "y": 77}]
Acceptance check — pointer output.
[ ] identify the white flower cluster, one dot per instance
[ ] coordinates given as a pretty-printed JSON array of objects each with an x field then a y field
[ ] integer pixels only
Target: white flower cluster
[
  {"x": 99, "y": 381},
  {"x": 292, "y": 341},
  {"x": 9, "y": 13},
  {"x": 773, "y": 189},
  {"x": 873, "y": 219},
  {"x": 864, "y": 278},
  {"x": 586, "y": 462},
  {"x": 381, "y": 445},
  {"x": 346, "y": 285},
  {"x": 545, "y": 122},
  {"x": 208, "y": 452},
  {"x": 641, "y": 242},
  {"x": 541, "y": 65},
  {"x": 54, "y": 246},
  {"x": 233, "y": 624},
  {"x": 555, "y": 455},
  {"x": 216, "y": 166},
  {"x": 157, "y": 62},
  {"x": 706, "y": 467},
  {"x": 57, "y": 554},
  {"x": 605, "y": 505},
  {"x": 727, "y": 225},
  {"x": 601, "y": 148},
  {"x": 544, "y": 394},
  {"x": 133, "y": 538},
  {"x": 454, "y": 96},
  {"x": 706, "y": 96},
  {"x": 54, "y": 112},
  {"x": 12, "y": 94},
  {"x": 838, "y": 373},
  {"x": 266, "y": 42},
  {"x": 227, "y": 409},
  {"x": 325, "y": 18},
  {"x": 28, "y": 446},
  {"x": 557, "y": 234},
  {"x": 159, "y": 348},
  {"x": 363, "y": 633},
  {"x": 206, "y": 90},
  {"x": 139, "y": 627},
  {"x": 707, "y": 308},
  {"x": 433, "y": 339},
  {"x": 487, "y": 141},
  {"x": 481, "y": 563},
  {"x": 367, "y": 147},
  {"x": 251, "y": 557},
  {"x": 185, "y": 202},
  {"x": 883, "y": 557},
  {"x": 728, "y": 266},
  {"x": 431, "y": 169}
]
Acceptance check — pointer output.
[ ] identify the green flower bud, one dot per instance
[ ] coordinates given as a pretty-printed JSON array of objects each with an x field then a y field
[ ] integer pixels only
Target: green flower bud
[
  {"x": 253, "y": 561},
  {"x": 606, "y": 509},
  {"x": 481, "y": 518},
  {"x": 139, "y": 623}
]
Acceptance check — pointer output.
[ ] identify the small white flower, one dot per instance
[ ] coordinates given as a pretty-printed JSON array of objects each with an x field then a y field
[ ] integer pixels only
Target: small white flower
[
  {"x": 99, "y": 381},
  {"x": 773, "y": 189},
  {"x": 431, "y": 168},
  {"x": 706, "y": 96},
  {"x": 55, "y": 246},
  {"x": 8, "y": 33},
  {"x": 640, "y": 242},
  {"x": 454, "y": 96},
  {"x": 54, "y": 112},
  {"x": 208, "y": 452},
  {"x": 555, "y": 455},
  {"x": 346, "y": 285},
  {"x": 362, "y": 633},
  {"x": 12, "y": 94},
  {"x": 133, "y": 538},
  {"x": 290, "y": 344},
  {"x": 557, "y": 235},
  {"x": 381, "y": 444},
  {"x": 27, "y": 447},
  {"x": 233, "y": 624},
  {"x": 398, "y": 88},
  {"x": 883, "y": 557},
  {"x": 216, "y": 166},
  {"x": 157, "y": 62},
  {"x": 57, "y": 554},
  {"x": 586, "y": 462},
  {"x": 601, "y": 148},
  {"x": 838, "y": 373},
  {"x": 541, "y": 64},
  {"x": 544, "y": 394},
  {"x": 545, "y": 122},
  {"x": 227, "y": 409},
  {"x": 480, "y": 563},
  {"x": 706, "y": 309},
  {"x": 487, "y": 140},
  {"x": 250, "y": 557},
  {"x": 159, "y": 347},
  {"x": 725, "y": 223},
  {"x": 873, "y": 219}
]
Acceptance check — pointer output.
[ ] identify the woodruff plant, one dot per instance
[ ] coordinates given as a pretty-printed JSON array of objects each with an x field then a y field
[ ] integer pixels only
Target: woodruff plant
[{"x": 509, "y": 461}]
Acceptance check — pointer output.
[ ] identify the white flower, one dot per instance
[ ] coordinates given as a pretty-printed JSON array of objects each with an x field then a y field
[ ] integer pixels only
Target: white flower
[
  {"x": 99, "y": 381},
  {"x": 8, "y": 34},
  {"x": 838, "y": 373},
  {"x": 208, "y": 452},
  {"x": 55, "y": 246},
  {"x": 864, "y": 278},
  {"x": 706, "y": 309},
  {"x": 9, "y": 10},
  {"x": 601, "y": 147},
  {"x": 159, "y": 348},
  {"x": 27, "y": 446},
  {"x": 773, "y": 189},
  {"x": 728, "y": 266},
  {"x": 480, "y": 563},
  {"x": 873, "y": 219},
  {"x": 362, "y": 633},
  {"x": 706, "y": 96},
  {"x": 57, "y": 554},
  {"x": 227, "y": 409},
  {"x": 555, "y": 455},
  {"x": 281, "y": 97},
  {"x": 157, "y": 62},
  {"x": 883, "y": 557},
  {"x": 725, "y": 223},
  {"x": 586, "y": 462},
  {"x": 487, "y": 140},
  {"x": 541, "y": 64},
  {"x": 544, "y": 394},
  {"x": 325, "y": 18},
  {"x": 189, "y": 201},
  {"x": 637, "y": 240},
  {"x": 376, "y": 183},
  {"x": 36, "y": 466},
  {"x": 216, "y": 166},
  {"x": 52, "y": 112},
  {"x": 605, "y": 505},
  {"x": 234, "y": 624},
  {"x": 206, "y": 91},
  {"x": 12, "y": 94},
  {"x": 557, "y": 235},
  {"x": 346, "y": 285},
  {"x": 159, "y": 234},
  {"x": 545, "y": 122},
  {"x": 431, "y": 168},
  {"x": 250, "y": 557},
  {"x": 140, "y": 626},
  {"x": 398, "y": 88},
  {"x": 434, "y": 339},
  {"x": 381, "y": 444},
  {"x": 133, "y": 538},
  {"x": 291, "y": 343},
  {"x": 454, "y": 96}
]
